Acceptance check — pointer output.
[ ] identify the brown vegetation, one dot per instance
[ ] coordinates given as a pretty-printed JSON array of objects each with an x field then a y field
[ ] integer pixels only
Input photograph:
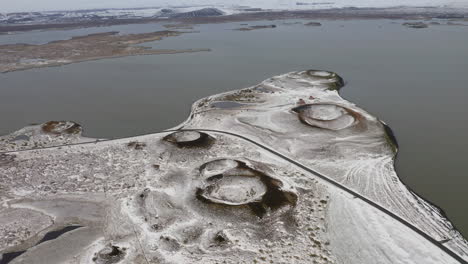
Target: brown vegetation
[{"x": 15, "y": 57}]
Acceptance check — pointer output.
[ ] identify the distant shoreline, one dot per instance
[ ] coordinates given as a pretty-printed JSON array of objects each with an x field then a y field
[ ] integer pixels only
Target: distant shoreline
[
  {"x": 17, "y": 57},
  {"x": 401, "y": 13}
]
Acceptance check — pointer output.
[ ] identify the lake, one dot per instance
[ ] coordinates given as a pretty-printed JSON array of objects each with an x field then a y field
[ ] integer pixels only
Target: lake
[{"x": 416, "y": 80}]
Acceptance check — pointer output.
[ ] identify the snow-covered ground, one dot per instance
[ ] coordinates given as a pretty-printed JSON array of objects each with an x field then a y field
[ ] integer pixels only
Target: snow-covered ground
[
  {"x": 287, "y": 178},
  {"x": 227, "y": 6},
  {"x": 308, "y": 4}
]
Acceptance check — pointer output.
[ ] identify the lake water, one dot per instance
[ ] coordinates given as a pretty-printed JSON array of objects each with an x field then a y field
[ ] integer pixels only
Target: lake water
[{"x": 414, "y": 79}]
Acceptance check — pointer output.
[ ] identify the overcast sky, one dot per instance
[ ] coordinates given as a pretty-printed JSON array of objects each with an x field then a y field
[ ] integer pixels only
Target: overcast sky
[{"x": 43, "y": 5}]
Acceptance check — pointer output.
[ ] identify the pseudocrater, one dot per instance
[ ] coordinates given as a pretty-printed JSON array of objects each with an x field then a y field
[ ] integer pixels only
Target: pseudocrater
[
  {"x": 6, "y": 159},
  {"x": 109, "y": 255},
  {"x": 331, "y": 79},
  {"x": 188, "y": 139},
  {"x": 234, "y": 190},
  {"x": 327, "y": 116},
  {"x": 218, "y": 167},
  {"x": 242, "y": 185},
  {"x": 61, "y": 127}
]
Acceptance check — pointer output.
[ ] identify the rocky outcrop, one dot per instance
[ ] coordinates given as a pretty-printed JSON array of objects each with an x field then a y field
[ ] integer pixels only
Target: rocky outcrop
[
  {"x": 415, "y": 24},
  {"x": 313, "y": 24},
  {"x": 255, "y": 27}
]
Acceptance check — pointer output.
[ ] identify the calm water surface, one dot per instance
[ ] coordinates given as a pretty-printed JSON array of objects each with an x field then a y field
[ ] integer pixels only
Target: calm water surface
[{"x": 415, "y": 80}]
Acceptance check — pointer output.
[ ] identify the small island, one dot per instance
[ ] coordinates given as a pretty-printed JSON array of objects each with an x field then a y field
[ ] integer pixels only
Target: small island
[{"x": 255, "y": 27}]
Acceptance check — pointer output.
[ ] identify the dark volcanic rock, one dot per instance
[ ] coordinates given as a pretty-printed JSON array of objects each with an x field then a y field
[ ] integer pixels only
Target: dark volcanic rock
[
  {"x": 6, "y": 159},
  {"x": 109, "y": 254},
  {"x": 450, "y": 16},
  {"x": 62, "y": 127},
  {"x": 313, "y": 24},
  {"x": 255, "y": 27},
  {"x": 252, "y": 9},
  {"x": 167, "y": 11},
  {"x": 415, "y": 25}
]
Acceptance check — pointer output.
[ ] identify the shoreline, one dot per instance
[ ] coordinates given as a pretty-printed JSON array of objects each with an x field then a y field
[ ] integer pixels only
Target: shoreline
[
  {"x": 156, "y": 52},
  {"x": 21, "y": 56},
  {"x": 431, "y": 228},
  {"x": 402, "y": 13},
  {"x": 17, "y": 57}
]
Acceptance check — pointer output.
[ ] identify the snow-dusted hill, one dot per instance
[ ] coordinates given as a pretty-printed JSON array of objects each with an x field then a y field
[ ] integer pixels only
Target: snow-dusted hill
[
  {"x": 102, "y": 14},
  {"x": 190, "y": 8},
  {"x": 307, "y": 4}
]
